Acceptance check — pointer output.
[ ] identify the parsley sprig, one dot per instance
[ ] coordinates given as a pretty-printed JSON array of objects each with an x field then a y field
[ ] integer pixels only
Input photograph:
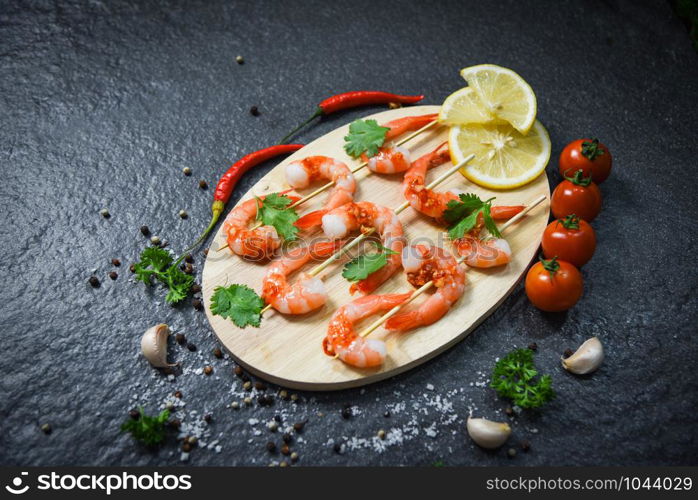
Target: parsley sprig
[
  {"x": 274, "y": 211},
  {"x": 515, "y": 377},
  {"x": 365, "y": 136},
  {"x": 239, "y": 303},
  {"x": 363, "y": 265},
  {"x": 157, "y": 263},
  {"x": 463, "y": 214},
  {"x": 149, "y": 430}
]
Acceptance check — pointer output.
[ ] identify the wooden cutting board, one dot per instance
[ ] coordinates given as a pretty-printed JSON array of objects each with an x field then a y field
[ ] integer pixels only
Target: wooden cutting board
[{"x": 287, "y": 349}]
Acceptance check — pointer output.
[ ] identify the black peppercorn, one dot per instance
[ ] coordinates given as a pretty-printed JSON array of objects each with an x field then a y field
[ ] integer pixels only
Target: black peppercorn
[
  {"x": 238, "y": 371},
  {"x": 533, "y": 346},
  {"x": 271, "y": 447},
  {"x": 208, "y": 369},
  {"x": 208, "y": 418},
  {"x": 186, "y": 447},
  {"x": 175, "y": 423},
  {"x": 203, "y": 184},
  {"x": 191, "y": 347},
  {"x": 115, "y": 262},
  {"x": 285, "y": 450},
  {"x": 178, "y": 394},
  {"x": 386, "y": 414},
  {"x": 145, "y": 230},
  {"x": 298, "y": 427},
  {"x": 254, "y": 111},
  {"x": 346, "y": 412},
  {"x": 132, "y": 268},
  {"x": 197, "y": 304},
  {"x": 287, "y": 438},
  {"x": 113, "y": 275},
  {"x": 134, "y": 414},
  {"x": 94, "y": 281},
  {"x": 218, "y": 353},
  {"x": 568, "y": 353},
  {"x": 195, "y": 288},
  {"x": 260, "y": 386},
  {"x": 525, "y": 445}
]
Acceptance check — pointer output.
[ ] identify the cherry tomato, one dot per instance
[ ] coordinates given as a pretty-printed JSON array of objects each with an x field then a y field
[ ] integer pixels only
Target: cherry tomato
[
  {"x": 589, "y": 155},
  {"x": 554, "y": 285},
  {"x": 576, "y": 195},
  {"x": 571, "y": 239}
]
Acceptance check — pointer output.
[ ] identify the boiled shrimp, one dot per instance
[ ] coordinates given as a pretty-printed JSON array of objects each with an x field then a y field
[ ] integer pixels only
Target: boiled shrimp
[
  {"x": 307, "y": 293},
  {"x": 254, "y": 244},
  {"x": 424, "y": 263},
  {"x": 341, "y": 221},
  {"x": 434, "y": 203},
  {"x": 487, "y": 252},
  {"x": 343, "y": 340},
  {"x": 299, "y": 175},
  {"x": 390, "y": 160}
]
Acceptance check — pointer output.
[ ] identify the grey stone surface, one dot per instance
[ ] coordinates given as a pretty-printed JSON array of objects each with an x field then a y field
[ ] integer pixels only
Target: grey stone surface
[{"x": 102, "y": 105}]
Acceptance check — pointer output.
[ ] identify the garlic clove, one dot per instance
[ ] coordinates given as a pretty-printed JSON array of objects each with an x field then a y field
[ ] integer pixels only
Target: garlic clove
[
  {"x": 154, "y": 345},
  {"x": 488, "y": 434},
  {"x": 586, "y": 359}
]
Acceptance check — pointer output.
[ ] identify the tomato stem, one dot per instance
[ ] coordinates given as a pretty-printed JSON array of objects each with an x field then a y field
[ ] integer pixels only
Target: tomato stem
[
  {"x": 578, "y": 178},
  {"x": 570, "y": 222},
  {"x": 591, "y": 149},
  {"x": 551, "y": 265}
]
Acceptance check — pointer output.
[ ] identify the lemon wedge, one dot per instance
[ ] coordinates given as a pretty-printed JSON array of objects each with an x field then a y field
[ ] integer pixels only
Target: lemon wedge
[
  {"x": 503, "y": 94},
  {"x": 504, "y": 157},
  {"x": 464, "y": 107}
]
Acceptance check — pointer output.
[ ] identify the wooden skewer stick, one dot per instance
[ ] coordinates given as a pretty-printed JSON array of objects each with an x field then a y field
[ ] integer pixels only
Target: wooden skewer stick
[
  {"x": 419, "y": 291},
  {"x": 321, "y": 267}
]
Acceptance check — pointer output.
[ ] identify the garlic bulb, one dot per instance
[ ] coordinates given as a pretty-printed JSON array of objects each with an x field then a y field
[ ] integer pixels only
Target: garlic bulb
[
  {"x": 154, "y": 345},
  {"x": 488, "y": 434},
  {"x": 587, "y": 358}
]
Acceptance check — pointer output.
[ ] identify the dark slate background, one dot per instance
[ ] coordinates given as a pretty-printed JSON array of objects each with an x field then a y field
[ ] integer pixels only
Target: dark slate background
[{"x": 103, "y": 104}]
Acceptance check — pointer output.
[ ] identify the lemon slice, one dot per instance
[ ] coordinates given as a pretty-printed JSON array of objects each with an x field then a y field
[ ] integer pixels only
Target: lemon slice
[
  {"x": 463, "y": 107},
  {"x": 504, "y": 94},
  {"x": 504, "y": 158}
]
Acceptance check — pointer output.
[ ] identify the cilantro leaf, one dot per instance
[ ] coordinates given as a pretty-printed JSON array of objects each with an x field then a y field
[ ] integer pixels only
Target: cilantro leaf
[
  {"x": 157, "y": 263},
  {"x": 363, "y": 265},
  {"x": 458, "y": 209},
  {"x": 365, "y": 136},
  {"x": 146, "y": 429},
  {"x": 178, "y": 282},
  {"x": 514, "y": 377},
  {"x": 153, "y": 260},
  {"x": 239, "y": 303},
  {"x": 274, "y": 211},
  {"x": 464, "y": 213}
]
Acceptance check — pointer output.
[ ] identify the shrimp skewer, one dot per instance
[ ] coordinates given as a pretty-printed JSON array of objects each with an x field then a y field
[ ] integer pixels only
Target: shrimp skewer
[
  {"x": 321, "y": 267},
  {"x": 376, "y": 324},
  {"x": 337, "y": 223},
  {"x": 342, "y": 339},
  {"x": 394, "y": 159},
  {"x": 424, "y": 263},
  {"x": 479, "y": 252},
  {"x": 307, "y": 293},
  {"x": 256, "y": 243},
  {"x": 299, "y": 175},
  {"x": 427, "y": 126}
]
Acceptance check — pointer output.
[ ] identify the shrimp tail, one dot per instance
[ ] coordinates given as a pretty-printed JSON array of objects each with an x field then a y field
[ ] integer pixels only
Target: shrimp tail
[
  {"x": 403, "y": 321},
  {"x": 325, "y": 248},
  {"x": 505, "y": 212},
  {"x": 311, "y": 220}
]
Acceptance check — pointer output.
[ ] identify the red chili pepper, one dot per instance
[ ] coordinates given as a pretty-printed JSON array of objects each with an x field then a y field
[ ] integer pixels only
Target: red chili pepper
[
  {"x": 352, "y": 100},
  {"x": 228, "y": 180}
]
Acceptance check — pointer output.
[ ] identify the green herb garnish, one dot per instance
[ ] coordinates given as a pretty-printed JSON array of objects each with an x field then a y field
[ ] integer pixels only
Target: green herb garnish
[
  {"x": 274, "y": 211},
  {"x": 157, "y": 263},
  {"x": 463, "y": 215},
  {"x": 515, "y": 377},
  {"x": 239, "y": 303},
  {"x": 146, "y": 429},
  {"x": 365, "y": 136},
  {"x": 363, "y": 265}
]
